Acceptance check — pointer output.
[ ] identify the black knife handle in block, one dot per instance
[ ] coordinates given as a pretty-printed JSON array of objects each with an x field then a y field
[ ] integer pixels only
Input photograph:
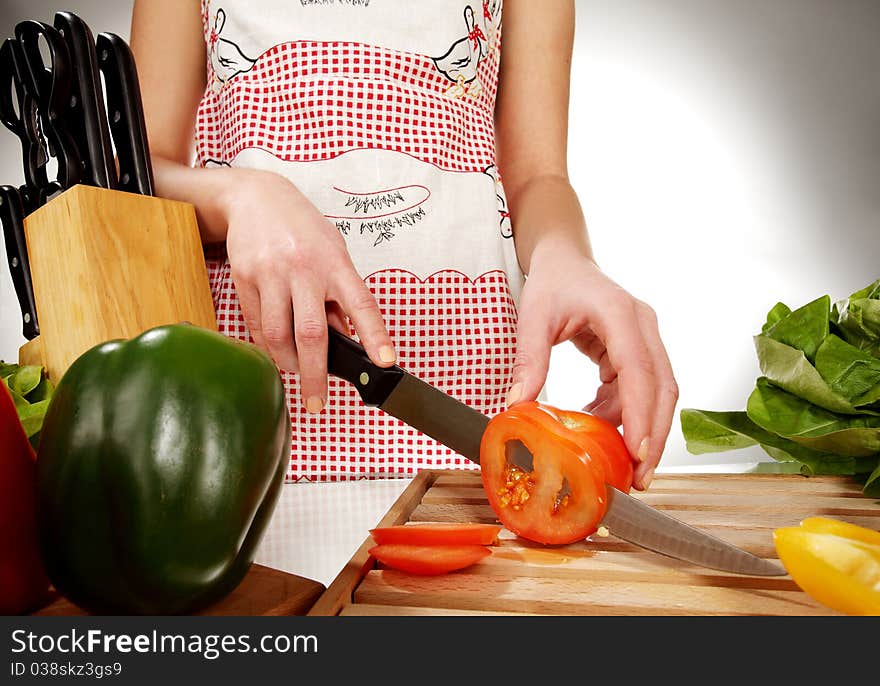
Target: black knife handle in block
[
  {"x": 12, "y": 220},
  {"x": 126, "y": 114},
  {"x": 347, "y": 359},
  {"x": 88, "y": 122},
  {"x": 19, "y": 114},
  {"x": 50, "y": 85}
]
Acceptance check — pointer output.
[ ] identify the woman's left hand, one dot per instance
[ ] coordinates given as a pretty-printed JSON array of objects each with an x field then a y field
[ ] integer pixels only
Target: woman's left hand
[{"x": 568, "y": 298}]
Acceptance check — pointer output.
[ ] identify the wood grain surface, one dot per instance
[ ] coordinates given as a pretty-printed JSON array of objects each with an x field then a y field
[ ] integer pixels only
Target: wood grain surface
[
  {"x": 603, "y": 576},
  {"x": 108, "y": 264},
  {"x": 263, "y": 591}
]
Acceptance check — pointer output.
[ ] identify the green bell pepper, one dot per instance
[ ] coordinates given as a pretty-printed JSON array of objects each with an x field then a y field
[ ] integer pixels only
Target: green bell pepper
[{"x": 159, "y": 465}]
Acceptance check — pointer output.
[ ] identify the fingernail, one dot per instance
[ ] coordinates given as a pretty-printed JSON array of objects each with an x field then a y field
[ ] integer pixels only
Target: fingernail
[
  {"x": 514, "y": 394},
  {"x": 387, "y": 354},
  {"x": 643, "y": 450},
  {"x": 314, "y": 405},
  {"x": 647, "y": 479}
]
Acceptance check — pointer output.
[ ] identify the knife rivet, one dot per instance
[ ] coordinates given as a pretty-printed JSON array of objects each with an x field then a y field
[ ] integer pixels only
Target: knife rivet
[
  {"x": 27, "y": 318},
  {"x": 364, "y": 378},
  {"x": 117, "y": 115},
  {"x": 14, "y": 262}
]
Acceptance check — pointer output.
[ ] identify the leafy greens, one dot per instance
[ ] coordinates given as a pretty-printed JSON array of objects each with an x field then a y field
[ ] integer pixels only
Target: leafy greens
[
  {"x": 31, "y": 392},
  {"x": 817, "y": 401}
]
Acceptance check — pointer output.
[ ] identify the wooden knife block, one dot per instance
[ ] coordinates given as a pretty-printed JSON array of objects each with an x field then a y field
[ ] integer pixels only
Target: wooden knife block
[{"x": 107, "y": 264}]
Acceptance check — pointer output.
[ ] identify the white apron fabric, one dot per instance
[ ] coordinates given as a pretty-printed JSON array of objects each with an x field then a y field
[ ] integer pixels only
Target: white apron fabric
[{"x": 381, "y": 112}]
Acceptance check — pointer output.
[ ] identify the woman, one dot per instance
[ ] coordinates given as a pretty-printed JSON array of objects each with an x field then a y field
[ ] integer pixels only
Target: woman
[{"x": 345, "y": 168}]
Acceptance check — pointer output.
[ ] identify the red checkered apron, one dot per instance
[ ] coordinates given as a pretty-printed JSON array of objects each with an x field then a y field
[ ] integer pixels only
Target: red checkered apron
[{"x": 396, "y": 147}]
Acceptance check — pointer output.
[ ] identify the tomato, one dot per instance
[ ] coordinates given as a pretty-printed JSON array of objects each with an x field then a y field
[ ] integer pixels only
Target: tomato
[
  {"x": 836, "y": 563},
  {"x": 602, "y": 441},
  {"x": 561, "y": 498},
  {"x": 428, "y": 559},
  {"x": 438, "y": 534}
]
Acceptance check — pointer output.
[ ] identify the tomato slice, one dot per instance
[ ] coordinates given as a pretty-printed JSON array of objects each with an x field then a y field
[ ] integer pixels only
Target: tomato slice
[
  {"x": 441, "y": 533},
  {"x": 428, "y": 559},
  {"x": 836, "y": 563},
  {"x": 562, "y": 498},
  {"x": 601, "y": 440}
]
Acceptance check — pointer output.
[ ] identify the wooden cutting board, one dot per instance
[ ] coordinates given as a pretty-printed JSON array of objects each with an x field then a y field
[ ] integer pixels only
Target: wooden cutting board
[
  {"x": 263, "y": 591},
  {"x": 603, "y": 576}
]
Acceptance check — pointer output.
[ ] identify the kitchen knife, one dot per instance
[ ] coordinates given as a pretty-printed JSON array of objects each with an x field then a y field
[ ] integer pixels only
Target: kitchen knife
[
  {"x": 460, "y": 427},
  {"x": 12, "y": 221},
  {"x": 126, "y": 114},
  {"x": 87, "y": 121},
  {"x": 50, "y": 85}
]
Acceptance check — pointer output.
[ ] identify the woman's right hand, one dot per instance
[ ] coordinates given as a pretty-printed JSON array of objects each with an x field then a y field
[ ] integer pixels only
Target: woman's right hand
[
  {"x": 293, "y": 275},
  {"x": 290, "y": 266}
]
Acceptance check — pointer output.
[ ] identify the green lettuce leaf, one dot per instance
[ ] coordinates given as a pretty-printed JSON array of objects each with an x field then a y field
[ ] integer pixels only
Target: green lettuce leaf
[
  {"x": 25, "y": 379},
  {"x": 848, "y": 371},
  {"x": 7, "y": 369},
  {"x": 872, "y": 292},
  {"x": 707, "y": 431},
  {"x": 788, "y": 368},
  {"x": 31, "y": 392},
  {"x": 872, "y": 485},
  {"x": 859, "y": 324},
  {"x": 817, "y": 403},
  {"x": 804, "y": 328},
  {"x": 712, "y": 432},
  {"x": 780, "y": 311},
  {"x": 791, "y": 417},
  {"x": 43, "y": 391}
]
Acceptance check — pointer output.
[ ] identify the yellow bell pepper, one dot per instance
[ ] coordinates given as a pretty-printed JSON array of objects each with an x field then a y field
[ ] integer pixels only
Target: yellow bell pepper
[{"x": 835, "y": 562}]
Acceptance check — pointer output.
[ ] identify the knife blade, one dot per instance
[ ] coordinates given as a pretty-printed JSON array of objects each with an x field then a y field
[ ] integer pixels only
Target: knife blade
[
  {"x": 461, "y": 427},
  {"x": 126, "y": 114},
  {"x": 12, "y": 221},
  {"x": 88, "y": 122},
  {"x": 634, "y": 521}
]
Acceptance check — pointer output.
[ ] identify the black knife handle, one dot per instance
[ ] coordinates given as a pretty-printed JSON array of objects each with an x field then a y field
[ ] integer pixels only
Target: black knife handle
[
  {"x": 12, "y": 220},
  {"x": 347, "y": 359},
  {"x": 19, "y": 114},
  {"x": 51, "y": 86},
  {"x": 88, "y": 123},
  {"x": 126, "y": 114},
  {"x": 12, "y": 91}
]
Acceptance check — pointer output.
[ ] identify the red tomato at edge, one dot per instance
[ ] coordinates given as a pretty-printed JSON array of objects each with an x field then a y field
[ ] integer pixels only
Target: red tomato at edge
[{"x": 562, "y": 499}]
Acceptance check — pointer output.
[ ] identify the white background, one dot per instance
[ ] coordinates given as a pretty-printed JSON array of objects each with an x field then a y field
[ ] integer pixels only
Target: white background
[{"x": 727, "y": 156}]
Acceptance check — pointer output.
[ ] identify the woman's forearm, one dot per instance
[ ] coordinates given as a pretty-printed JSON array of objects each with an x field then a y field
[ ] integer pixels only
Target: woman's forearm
[
  {"x": 210, "y": 191},
  {"x": 215, "y": 192},
  {"x": 547, "y": 216}
]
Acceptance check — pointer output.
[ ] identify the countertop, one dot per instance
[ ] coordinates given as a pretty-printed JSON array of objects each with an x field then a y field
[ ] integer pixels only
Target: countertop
[{"x": 317, "y": 527}]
